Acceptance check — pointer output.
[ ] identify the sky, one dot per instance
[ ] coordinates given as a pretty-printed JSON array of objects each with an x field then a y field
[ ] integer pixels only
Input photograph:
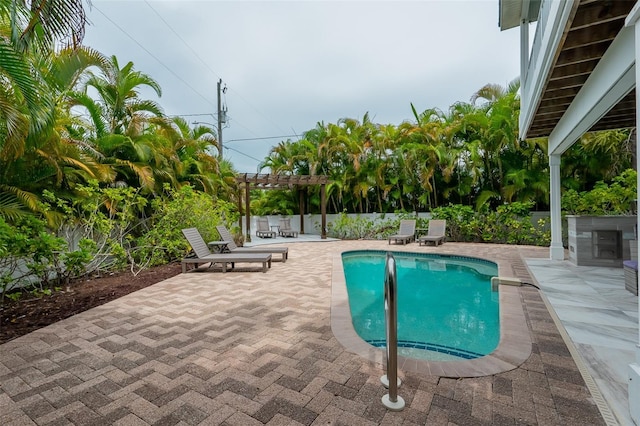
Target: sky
[{"x": 289, "y": 65}]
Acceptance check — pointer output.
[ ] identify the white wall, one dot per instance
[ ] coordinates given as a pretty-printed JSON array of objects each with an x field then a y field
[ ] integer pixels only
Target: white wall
[{"x": 312, "y": 221}]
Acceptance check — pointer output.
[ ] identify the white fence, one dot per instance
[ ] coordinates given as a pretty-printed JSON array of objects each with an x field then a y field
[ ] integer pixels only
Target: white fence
[{"x": 312, "y": 221}]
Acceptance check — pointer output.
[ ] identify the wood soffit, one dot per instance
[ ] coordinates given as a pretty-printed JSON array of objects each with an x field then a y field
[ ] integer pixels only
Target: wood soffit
[
  {"x": 592, "y": 30},
  {"x": 277, "y": 181}
]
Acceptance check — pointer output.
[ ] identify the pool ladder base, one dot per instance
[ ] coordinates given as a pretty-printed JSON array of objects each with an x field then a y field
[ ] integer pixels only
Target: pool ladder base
[
  {"x": 393, "y": 406},
  {"x": 385, "y": 381}
]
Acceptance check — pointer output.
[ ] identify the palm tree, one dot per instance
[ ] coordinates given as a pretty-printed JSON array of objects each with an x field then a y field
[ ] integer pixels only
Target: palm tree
[
  {"x": 50, "y": 157},
  {"x": 599, "y": 156},
  {"x": 28, "y": 30},
  {"x": 121, "y": 126},
  {"x": 190, "y": 153},
  {"x": 428, "y": 133},
  {"x": 492, "y": 130},
  {"x": 383, "y": 142},
  {"x": 122, "y": 111}
]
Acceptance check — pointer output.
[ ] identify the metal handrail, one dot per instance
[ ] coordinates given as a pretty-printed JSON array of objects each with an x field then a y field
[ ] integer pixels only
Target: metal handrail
[{"x": 391, "y": 400}]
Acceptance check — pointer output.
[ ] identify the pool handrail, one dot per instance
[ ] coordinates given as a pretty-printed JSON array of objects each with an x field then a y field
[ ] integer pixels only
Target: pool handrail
[{"x": 391, "y": 400}]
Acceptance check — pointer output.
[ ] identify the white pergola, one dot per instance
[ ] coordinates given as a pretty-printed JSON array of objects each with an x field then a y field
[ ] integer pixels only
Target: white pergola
[{"x": 579, "y": 75}]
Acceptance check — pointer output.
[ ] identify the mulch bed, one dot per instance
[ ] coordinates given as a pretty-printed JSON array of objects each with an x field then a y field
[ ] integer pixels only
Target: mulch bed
[{"x": 18, "y": 318}]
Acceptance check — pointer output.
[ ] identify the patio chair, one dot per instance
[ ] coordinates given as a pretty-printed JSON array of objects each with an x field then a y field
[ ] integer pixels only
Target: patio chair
[
  {"x": 285, "y": 228},
  {"x": 203, "y": 254},
  {"x": 436, "y": 234},
  {"x": 406, "y": 233},
  {"x": 233, "y": 248},
  {"x": 264, "y": 230}
]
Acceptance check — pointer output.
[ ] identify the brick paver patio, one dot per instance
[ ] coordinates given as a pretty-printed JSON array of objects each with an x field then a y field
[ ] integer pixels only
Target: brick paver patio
[{"x": 247, "y": 348}]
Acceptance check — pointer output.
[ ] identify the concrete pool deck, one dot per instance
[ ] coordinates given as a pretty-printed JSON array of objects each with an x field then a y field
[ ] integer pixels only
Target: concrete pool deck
[{"x": 247, "y": 348}]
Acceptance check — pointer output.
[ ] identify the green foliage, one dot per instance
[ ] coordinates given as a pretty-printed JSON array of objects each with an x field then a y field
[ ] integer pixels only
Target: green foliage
[
  {"x": 35, "y": 260},
  {"x": 75, "y": 262},
  {"x": 508, "y": 224},
  {"x": 102, "y": 221},
  {"x": 184, "y": 208},
  {"x": 351, "y": 228},
  {"x": 265, "y": 203},
  {"x": 361, "y": 228},
  {"x": 101, "y": 230},
  {"x": 458, "y": 218},
  {"x": 43, "y": 253},
  {"x": 15, "y": 296},
  {"x": 511, "y": 224},
  {"x": 617, "y": 198},
  {"x": 29, "y": 254}
]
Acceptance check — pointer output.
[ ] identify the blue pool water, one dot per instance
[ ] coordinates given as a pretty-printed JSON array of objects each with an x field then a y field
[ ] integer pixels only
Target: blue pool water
[{"x": 446, "y": 309}]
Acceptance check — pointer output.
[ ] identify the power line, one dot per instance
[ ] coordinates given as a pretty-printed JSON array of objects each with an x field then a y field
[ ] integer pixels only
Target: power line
[
  {"x": 246, "y": 155},
  {"x": 180, "y": 78},
  {"x": 195, "y": 53},
  {"x": 195, "y": 115},
  {"x": 182, "y": 40},
  {"x": 260, "y": 138},
  {"x": 210, "y": 69},
  {"x": 153, "y": 56}
]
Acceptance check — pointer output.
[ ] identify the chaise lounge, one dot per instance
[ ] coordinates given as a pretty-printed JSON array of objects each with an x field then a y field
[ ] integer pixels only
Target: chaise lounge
[
  {"x": 436, "y": 233},
  {"x": 263, "y": 229},
  {"x": 203, "y": 254},
  {"x": 233, "y": 248},
  {"x": 285, "y": 228},
  {"x": 406, "y": 233}
]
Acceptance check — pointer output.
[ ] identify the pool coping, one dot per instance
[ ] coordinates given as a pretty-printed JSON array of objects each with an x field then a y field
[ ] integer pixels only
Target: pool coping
[{"x": 513, "y": 349}]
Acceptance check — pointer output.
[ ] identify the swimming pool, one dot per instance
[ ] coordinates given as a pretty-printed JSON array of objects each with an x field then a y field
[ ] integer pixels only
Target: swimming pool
[{"x": 446, "y": 309}]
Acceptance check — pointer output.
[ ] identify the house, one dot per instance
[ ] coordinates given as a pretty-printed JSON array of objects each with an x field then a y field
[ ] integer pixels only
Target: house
[{"x": 578, "y": 74}]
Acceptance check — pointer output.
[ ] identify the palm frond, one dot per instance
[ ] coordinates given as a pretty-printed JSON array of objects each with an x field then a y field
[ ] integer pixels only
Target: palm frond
[
  {"x": 15, "y": 125},
  {"x": 144, "y": 173},
  {"x": 10, "y": 208},
  {"x": 54, "y": 20},
  {"x": 26, "y": 199}
]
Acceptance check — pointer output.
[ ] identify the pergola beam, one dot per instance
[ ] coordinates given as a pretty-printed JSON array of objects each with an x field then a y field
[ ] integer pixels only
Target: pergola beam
[{"x": 249, "y": 181}]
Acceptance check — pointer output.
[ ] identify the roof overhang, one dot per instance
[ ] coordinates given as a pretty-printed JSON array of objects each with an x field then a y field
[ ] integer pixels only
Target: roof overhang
[
  {"x": 513, "y": 12},
  {"x": 576, "y": 69}
]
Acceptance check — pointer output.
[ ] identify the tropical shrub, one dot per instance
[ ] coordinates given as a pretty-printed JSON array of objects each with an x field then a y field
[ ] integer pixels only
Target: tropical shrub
[
  {"x": 282, "y": 202},
  {"x": 617, "y": 198},
  {"x": 349, "y": 227},
  {"x": 459, "y": 221},
  {"x": 508, "y": 224},
  {"x": 179, "y": 209},
  {"x": 109, "y": 218},
  {"x": 34, "y": 259}
]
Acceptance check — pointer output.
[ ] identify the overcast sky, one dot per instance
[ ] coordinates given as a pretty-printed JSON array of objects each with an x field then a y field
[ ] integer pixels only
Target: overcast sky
[{"x": 289, "y": 65}]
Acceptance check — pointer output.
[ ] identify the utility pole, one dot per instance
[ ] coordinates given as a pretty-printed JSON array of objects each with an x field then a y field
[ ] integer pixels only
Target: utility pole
[{"x": 222, "y": 118}]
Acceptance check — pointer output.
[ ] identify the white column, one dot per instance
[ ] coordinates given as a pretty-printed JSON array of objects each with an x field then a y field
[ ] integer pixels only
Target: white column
[
  {"x": 633, "y": 20},
  {"x": 524, "y": 53},
  {"x": 556, "y": 251}
]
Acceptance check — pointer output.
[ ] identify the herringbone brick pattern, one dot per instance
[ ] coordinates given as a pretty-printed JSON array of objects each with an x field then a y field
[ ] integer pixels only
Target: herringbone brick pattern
[{"x": 247, "y": 348}]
